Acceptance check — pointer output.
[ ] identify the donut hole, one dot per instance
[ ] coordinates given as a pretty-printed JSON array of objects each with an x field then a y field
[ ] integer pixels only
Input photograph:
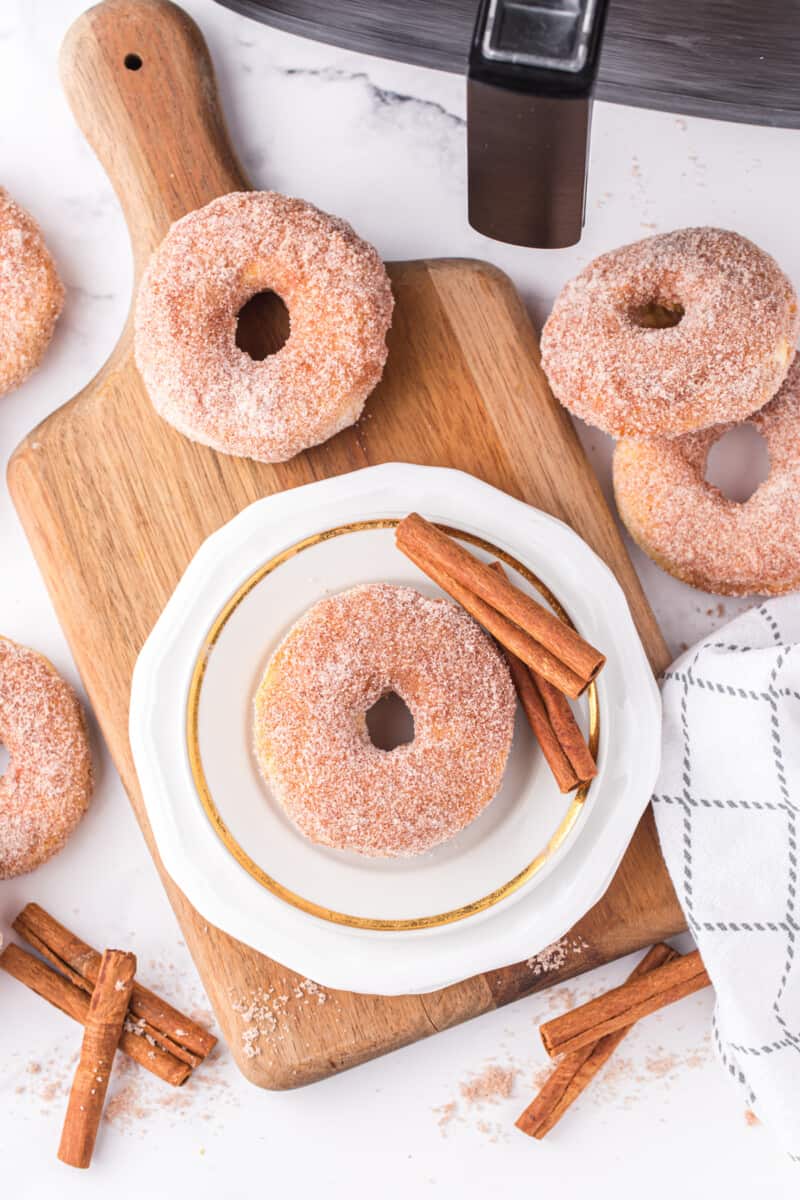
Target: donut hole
[
  {"x": 262, "y": 326},
  {"x": 132, "y": 62},
  {"x": 655, "y": 315},
  {"x": 390, "y": 722},
  {"x": 5, "y": 759},
  {"x": 738, "y": 463}
]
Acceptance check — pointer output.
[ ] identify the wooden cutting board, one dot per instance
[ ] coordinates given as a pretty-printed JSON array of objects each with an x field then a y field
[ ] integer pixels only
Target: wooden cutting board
[{"x": 115, "y": 503}]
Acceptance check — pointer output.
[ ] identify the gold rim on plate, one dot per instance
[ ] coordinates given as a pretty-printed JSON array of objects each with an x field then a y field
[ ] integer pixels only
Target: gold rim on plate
[{"x": 273, "y": 885}]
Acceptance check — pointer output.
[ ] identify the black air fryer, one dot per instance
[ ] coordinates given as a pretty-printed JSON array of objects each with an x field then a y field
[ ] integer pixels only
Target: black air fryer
[{"x": 533, "y": 67}]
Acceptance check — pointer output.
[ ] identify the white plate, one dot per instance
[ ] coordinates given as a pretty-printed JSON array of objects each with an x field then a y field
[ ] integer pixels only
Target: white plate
[
  {"x": 244, "y": 865},
  {"x": 514, "y": 842}
]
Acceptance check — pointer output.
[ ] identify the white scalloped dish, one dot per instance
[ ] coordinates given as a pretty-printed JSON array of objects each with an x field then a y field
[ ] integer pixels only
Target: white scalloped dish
[{"x": 515, "y": 879}]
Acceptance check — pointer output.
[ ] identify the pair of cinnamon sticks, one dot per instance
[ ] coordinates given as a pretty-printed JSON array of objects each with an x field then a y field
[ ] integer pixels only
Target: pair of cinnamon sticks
[
  {"x": 101, "y": 993},
  {"x": 584, "y": 1039},
  {"x": 548, "y": 659}
]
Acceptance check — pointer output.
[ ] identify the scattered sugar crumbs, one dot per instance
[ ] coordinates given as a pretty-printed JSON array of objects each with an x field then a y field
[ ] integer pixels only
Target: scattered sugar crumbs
[
  {"x": 489, "y": 1086},
  {"x": 445, "y": 1113},
  {"x": 624, "y": 1081},
  {"x": 492, "y": 1084},
  {"x": 555, "y": 956},
  {"x": 48, "y": 1080},
  {"x": 265, "y": 1010},
  {"x": 136, "y": 1097}
]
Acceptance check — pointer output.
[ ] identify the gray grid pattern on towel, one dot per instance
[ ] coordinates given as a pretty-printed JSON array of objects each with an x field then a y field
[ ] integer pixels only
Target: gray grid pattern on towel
[{"x": 777, "y": 799}]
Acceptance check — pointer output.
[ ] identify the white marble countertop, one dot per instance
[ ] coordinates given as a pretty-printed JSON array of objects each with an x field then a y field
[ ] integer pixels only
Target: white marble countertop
[{"x": 383, "y": 145}]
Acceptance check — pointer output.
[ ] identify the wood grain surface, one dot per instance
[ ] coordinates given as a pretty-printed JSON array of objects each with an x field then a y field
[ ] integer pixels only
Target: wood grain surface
[{"x": 115, "y": 503}]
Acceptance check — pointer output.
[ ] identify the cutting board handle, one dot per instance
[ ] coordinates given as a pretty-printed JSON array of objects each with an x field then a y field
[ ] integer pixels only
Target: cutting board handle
[{"x": 139, "y": 79}]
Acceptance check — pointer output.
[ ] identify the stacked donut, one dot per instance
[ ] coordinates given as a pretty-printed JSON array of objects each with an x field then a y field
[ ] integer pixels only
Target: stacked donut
[{"x": 667, "y": 344}]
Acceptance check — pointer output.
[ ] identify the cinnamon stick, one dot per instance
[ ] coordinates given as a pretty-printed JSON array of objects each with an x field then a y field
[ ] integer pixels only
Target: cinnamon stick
[
  {"x": 151, "y": 1016},
  {"x": 504, "y": 631},
  {"x": 625, "y": 1005},
  {"x": 73, "y": 1001},
  {"x": 567, "y": 731},
  {"x": 426, "y": 544},
  {"x": 531, "y": 700},
  {"x": 575, "y": 1071},
  {"x": 101, "y": 1035},
  {"x": 553, "y": 723}
]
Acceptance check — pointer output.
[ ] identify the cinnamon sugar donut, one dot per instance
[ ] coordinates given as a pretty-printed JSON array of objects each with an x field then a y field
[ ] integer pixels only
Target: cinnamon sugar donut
[
  {"x": 31, "y": 294},
  {"x": 311, "y": 734},
  {"x": 47, "y": 784},
  {"x": 674, "y": 333},
  {"x": 693, "y": 531},
  {"x": 210, "y": 263}
]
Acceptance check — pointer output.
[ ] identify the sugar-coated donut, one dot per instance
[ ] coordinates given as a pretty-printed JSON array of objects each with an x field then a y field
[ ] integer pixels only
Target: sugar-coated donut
[
  {"x": 734, "y": 324},
  {"x": 47, "y": 784},
  {"x": 211, "y": 262},
  {"x": 695, "y": 532},
  {"x": 311, "y": 736},
  {"x": 31, "y": 294}
]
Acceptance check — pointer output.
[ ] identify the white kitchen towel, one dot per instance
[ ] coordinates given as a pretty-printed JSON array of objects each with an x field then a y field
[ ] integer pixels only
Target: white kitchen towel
[{"x": 727, "y": 807}]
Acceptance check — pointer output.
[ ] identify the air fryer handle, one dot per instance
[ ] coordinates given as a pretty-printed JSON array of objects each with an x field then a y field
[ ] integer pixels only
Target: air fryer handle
[{"x": 528, "y": 120}]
